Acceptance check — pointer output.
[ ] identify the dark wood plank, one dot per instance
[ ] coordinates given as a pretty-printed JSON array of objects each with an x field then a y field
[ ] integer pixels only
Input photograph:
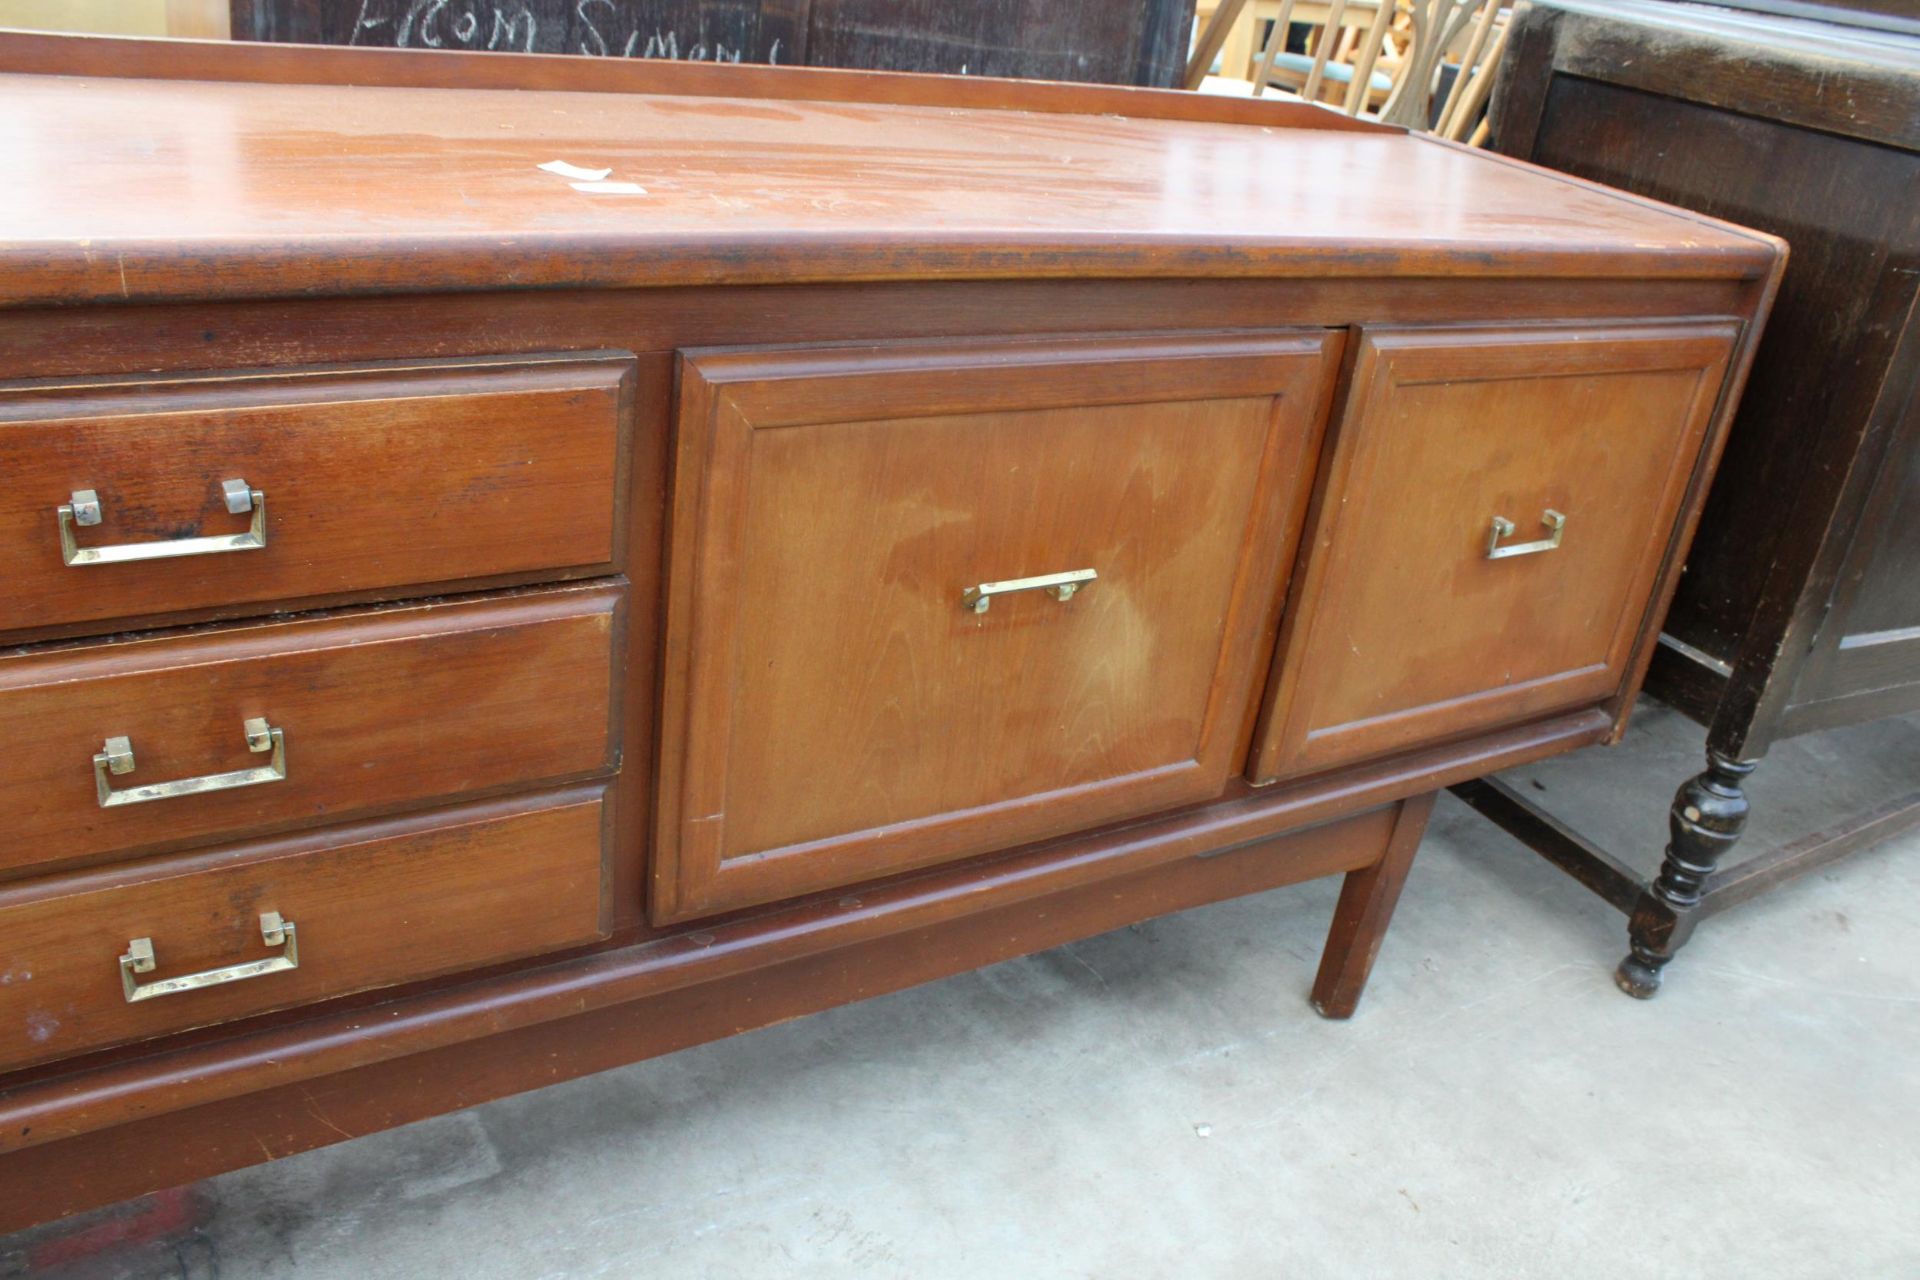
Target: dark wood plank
[
  {"x": 765, "y": 31},
  {"x": 1687, "y": 679},
  {"x": 445, "y": 69},
  {"x": 1701, "y": 108},
  {"x": 1108, "y": 41},
  {"x": 1797, "y": 611},
  {"x": 1520, "y": 817},
  {"x": 1756, "y": 875},
  {"x": 1139, "y": 42}
]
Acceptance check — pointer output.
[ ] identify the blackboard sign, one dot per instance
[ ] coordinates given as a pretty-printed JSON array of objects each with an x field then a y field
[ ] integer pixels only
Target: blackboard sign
[{"x": 1109, "y": 41}]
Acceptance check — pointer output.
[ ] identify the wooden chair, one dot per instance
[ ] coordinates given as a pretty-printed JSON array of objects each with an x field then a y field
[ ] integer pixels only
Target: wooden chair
[{"x": 1354, "y": 62}]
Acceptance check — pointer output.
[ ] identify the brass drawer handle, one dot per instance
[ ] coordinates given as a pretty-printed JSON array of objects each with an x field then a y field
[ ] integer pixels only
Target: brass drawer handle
[
  {"x": 1503, "y": 528},
  {"x": 85, "y": 510},
  {"x": 274, "y": 931},
  {"x": 117, "y": 757},
  {"x": 1060, "y": 586}
]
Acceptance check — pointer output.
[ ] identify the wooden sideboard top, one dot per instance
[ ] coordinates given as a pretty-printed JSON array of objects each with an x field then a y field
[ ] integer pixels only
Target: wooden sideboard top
[{"x": 158, "y": 170}]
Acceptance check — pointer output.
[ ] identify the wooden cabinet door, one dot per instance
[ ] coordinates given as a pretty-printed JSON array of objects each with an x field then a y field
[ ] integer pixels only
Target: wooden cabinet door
[
  {"x": 1865, "y": 660},
  {"x": 837, "y": 708},
  {"x": 1410, "y": 623}
]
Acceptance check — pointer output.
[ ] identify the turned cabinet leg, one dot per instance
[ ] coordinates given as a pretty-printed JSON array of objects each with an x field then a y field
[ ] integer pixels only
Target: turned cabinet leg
[
  {"x": 1709, "y": 813},
  {"x": 1367, "y": 899}
]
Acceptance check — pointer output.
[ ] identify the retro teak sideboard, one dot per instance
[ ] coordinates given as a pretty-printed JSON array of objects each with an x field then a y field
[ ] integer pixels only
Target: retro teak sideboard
[{"x": 473, "y": 622}]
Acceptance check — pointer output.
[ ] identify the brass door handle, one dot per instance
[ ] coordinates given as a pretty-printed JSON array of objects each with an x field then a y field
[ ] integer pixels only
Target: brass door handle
[
  {"x": 116, "y": 756},
  {"x": 1503, "y": 528},
  {"x": 1060, "y": 586},
  {"x": 274, "y": 931},
  {"x": 85, "y": 510}
]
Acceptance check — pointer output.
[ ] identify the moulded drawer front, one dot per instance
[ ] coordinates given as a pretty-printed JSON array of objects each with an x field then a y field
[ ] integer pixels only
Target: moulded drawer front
[
  {"x": 840, "y": 706},
  {"x": 1496, "y": 510},
  {"x": 371, "y": 480},
  {"x": 362, "y": 907},
  {"x": 374, "y": 709}
]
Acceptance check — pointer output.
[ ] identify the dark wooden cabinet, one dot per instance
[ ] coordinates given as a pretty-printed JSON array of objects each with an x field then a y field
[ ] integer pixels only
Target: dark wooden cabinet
[
  {"x": 1800, "y": 607},
  {"x": 884, "y": 526}
]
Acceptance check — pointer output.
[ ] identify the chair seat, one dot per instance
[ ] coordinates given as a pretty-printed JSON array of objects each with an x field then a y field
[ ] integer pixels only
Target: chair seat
[{"x": 1301, "y": 65}]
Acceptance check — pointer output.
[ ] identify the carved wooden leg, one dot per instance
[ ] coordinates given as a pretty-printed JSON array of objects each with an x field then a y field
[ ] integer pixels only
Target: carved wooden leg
[
  {"x": 1367, "y": 898},
  {"x": 1709, "y": 813}
]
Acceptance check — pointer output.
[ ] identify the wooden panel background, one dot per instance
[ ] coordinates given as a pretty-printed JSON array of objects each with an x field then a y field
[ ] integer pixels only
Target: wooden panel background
[{"x": 1140, "y": 42}]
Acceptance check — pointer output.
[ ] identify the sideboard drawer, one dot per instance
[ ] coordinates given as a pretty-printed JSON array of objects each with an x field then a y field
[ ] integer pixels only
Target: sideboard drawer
[
  {"x": 1490, "y": 530},
  {"x": 138, "y": 499},
  {"x": 359, "y": 712},
  {"x": 100, "y": 959},
  {"x": 862, "y": 676}
]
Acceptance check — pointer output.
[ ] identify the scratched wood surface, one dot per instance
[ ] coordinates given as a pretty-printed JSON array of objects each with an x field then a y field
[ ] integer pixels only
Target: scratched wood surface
[
  {"x": 254, "y": 189},
  {"x": 1108, "y": 41}
]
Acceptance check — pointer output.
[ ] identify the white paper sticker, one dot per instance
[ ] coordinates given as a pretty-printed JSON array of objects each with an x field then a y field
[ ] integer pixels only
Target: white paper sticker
[
  {"x": 566, "y": 170},
  {"x": 611, "y": 188}
]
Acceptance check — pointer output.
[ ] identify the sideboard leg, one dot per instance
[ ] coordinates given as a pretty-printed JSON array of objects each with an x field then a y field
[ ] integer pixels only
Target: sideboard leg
[
  {"x": 1367, "y": 899},
  {"x": 1709, "y": 812}
]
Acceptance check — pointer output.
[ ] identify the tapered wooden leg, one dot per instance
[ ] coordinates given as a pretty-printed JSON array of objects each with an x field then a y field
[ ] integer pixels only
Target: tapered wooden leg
[
  {"x": 1709, "y": 812},
  {"x": 1367, "y": 900}
]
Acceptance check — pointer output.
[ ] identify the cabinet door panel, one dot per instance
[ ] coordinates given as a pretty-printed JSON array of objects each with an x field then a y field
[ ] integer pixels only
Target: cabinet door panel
[
  {"x": 835, "y": 709},
  {"x": 1867, "y": 653},
  {"x": 1411, "y": 621}
]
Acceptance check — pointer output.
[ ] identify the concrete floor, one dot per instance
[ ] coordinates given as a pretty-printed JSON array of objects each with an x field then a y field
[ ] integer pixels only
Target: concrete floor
[{"x": 1160, "y": 1101}]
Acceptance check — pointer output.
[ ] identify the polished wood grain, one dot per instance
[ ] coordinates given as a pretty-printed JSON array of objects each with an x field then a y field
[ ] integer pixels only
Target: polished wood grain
[
  {"x": 321, "y": 191},
  {"x": 1402, "y": 628},
  {"x": 97, "y": 341},
  {"x": 82, "y": 341},
  {"x": 381, "y": 480},
  {"x": 380, "y": 710},
  {"x": 373, "y": 906},
  {"x": 833, "y": 712},
  {"x": 1086, "y": 294}
]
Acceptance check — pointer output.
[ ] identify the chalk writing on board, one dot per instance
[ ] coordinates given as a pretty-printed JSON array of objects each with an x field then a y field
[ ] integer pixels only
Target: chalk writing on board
[
  {"x": 600, "y": 28},
  {"x": 443, "y": 24}
]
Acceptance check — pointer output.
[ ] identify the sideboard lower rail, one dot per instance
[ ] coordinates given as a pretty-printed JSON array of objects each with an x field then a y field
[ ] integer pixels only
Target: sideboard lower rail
[{"x": 90, "y": 1100}]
